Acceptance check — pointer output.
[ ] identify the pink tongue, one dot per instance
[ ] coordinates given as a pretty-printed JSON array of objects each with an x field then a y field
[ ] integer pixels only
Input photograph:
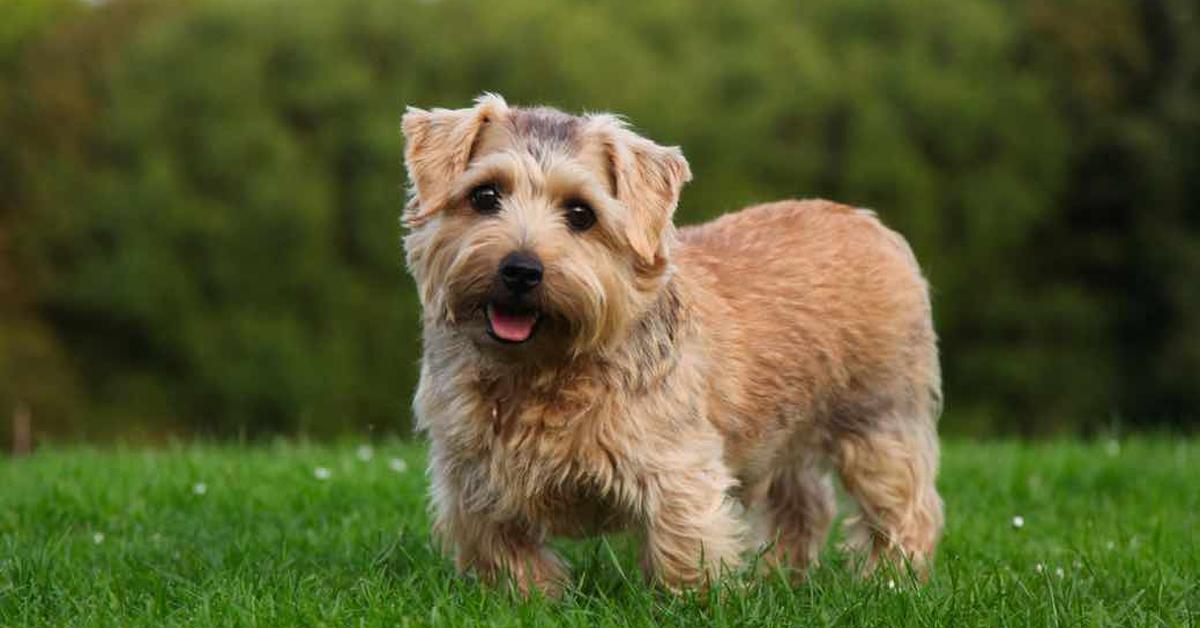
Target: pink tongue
[{"x": 512, "y": 327}]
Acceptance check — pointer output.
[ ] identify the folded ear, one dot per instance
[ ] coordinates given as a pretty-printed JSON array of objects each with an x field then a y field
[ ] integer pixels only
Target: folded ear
[
  {"x": 647, "y": 179},
  {"x": 438, "y": 147}
]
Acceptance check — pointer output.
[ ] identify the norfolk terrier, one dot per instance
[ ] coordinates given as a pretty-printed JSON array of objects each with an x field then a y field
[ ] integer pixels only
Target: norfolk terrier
[{"x": 588, "y": 367}]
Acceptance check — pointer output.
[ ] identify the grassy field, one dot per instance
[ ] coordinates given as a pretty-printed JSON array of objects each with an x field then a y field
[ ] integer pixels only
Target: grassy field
[{"x": 319, "y": 535}]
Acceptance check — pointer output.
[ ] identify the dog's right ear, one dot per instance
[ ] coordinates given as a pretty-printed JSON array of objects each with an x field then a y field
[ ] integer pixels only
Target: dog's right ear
[
  {"x": 647, "y": 178},
  {"x": 438, "y": 147}
]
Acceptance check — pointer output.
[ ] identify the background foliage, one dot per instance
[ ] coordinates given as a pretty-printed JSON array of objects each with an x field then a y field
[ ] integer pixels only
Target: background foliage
[{"x": 199, "y": 199}]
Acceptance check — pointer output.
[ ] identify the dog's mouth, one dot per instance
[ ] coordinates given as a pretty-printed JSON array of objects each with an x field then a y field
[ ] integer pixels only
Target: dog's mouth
[{"x": 511, "y": 325}]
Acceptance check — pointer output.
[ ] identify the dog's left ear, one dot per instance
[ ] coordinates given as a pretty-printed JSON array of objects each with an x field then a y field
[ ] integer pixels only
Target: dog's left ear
[
  {"x": 647, "y": 178},
  {"x": 437, "y": 148}
]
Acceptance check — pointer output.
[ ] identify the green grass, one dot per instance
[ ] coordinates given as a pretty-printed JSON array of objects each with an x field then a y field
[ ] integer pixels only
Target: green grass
[{"x": 123, "y": 538}]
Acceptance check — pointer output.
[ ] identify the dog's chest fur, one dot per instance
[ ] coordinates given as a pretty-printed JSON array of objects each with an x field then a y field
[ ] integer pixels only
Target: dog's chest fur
[
  {"x": 540, "y": 455},
  {"x": 565, "y": 448}
]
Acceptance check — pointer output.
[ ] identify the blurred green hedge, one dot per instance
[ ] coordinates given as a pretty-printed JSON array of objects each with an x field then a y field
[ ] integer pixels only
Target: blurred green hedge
[{"x": 199, "y": 200}]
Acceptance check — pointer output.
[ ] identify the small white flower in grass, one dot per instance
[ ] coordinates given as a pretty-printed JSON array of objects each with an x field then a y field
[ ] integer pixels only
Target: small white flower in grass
[
  {"x": 1058, "y": 571},
  {"x": 364, "y": 453},
  {"x": 322, "y": 473},
  {"x": 98, "y": 538},
  {"x": 1018, "y": 522},
  {"x": 891, "y": 584},
  {"x": 1039, "y": 568},
  {"x": 398, "y": 465},
  {"x": 199, "y": 488}
]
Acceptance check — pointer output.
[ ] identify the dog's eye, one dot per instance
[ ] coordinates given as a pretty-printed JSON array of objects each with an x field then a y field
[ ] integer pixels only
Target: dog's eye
[
  {"x": 580, "y": 216},
  {"x": 486, "y": 199}
]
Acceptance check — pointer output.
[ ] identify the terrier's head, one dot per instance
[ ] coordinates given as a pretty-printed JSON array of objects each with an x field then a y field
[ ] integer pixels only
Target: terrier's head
[{"x": 534, "y": 232}]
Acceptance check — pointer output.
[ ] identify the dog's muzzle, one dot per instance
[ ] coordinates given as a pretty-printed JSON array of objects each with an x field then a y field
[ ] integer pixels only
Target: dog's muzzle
[{"x": 510, "y": 317}]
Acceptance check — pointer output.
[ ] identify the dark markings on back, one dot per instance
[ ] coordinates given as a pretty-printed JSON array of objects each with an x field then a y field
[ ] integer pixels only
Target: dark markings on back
[{"x": 657, "y": 333}]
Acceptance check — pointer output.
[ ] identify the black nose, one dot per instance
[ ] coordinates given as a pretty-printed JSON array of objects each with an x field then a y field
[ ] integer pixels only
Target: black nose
[{"x": 520, "y": 272}]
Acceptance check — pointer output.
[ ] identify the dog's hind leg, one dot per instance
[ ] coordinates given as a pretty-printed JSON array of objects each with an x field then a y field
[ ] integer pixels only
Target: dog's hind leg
[
  {"x": 890, "y": 469},
  {"x": 797, "y": 505}
]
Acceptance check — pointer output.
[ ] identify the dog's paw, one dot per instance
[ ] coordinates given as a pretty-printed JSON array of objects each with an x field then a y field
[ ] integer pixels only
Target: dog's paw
[{"x": 542, "y": 573}]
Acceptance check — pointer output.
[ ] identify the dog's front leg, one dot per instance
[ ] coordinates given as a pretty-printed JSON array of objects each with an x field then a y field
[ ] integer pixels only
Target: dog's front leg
[
  {"x": 692, "y": 530},
  {"x": 509, "y": 553},
  {"x": 498, "y": 549}
]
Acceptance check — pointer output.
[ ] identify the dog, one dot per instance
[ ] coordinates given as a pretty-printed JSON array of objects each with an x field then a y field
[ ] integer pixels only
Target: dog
[{"x": 587, "y": 367}]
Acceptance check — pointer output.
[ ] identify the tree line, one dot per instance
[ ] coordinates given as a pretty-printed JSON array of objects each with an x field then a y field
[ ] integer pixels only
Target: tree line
[{"x": 199, "y": 200}]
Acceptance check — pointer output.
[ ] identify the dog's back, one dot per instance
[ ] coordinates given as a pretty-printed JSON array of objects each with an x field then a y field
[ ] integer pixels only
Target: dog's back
[{"x": 825, "y": 314}]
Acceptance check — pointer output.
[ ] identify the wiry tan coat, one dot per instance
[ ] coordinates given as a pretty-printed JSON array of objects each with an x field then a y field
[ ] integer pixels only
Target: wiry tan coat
[{"x": 679, "y": 378}]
